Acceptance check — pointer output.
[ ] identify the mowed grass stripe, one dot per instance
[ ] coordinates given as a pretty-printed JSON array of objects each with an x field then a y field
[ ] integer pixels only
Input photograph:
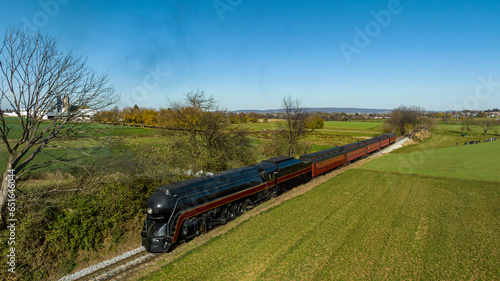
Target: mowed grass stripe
[
  {"x": 362, "y": 224},
  {"x": 353, "y": 226},
  {"x": 476, "y": 162}
]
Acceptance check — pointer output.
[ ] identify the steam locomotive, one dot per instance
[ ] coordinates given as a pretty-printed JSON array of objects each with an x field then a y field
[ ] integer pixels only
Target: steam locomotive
[{"x": 179, "y": 211}]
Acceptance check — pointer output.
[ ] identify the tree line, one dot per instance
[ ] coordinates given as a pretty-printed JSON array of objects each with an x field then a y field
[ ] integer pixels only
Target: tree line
[{"x": 175, "y": 117}]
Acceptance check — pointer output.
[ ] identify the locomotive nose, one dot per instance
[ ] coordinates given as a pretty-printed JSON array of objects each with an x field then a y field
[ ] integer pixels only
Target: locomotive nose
[{"x": 159, "y": 205}]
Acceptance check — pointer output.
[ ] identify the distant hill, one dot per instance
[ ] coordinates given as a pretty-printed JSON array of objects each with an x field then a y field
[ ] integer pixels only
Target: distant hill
[{"x": 322, "y": 109}]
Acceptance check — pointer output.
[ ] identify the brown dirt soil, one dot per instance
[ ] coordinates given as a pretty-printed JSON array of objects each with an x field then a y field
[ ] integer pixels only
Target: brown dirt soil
[
  {"x": 409, "y": 142},
  {"x": 182, "y": 249},
  {"x": 421, "y": 135}
]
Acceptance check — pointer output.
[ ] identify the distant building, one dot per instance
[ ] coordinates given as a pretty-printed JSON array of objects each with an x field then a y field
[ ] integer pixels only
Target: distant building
[
  {"x": 86, "y": 114},
  {"x": 23, "y": 113},
  {"x": 493, "y": 114}
]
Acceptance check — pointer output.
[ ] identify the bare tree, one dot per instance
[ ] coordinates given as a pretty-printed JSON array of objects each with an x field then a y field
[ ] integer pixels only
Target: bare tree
[
  {"x": 407, "y": 119},
  {"x": 211, "y": 139},
  {"x": 294, "y": 127},
  {"x": 487, "y": 125},
  {"x": 193, "y": 115},
  {"x": 37, "y": 80},
  {"x": 467, "y": 124}
]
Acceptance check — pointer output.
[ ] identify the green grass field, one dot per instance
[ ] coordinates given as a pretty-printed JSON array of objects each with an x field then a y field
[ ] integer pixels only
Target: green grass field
[
  {"x": 361, "y": 129},
  {"x": 114, "y": 130},
  {"x": 476, "y": 161},
  {"x": 454, "y": 128},
  {"x": 86, "y": 143},
  {"x": 429, "y": 211},
  {"x": 360, "y": 225},
  {"x": 353, "y": 125},
  {"x": 337, "y": 126},
  {"x": 335, "y": 133}
]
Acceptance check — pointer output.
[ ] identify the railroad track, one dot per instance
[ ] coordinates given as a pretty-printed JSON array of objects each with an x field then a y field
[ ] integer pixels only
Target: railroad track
[
  {"x": 402, "y": 137},
  {"x": 117, "y": 268}
]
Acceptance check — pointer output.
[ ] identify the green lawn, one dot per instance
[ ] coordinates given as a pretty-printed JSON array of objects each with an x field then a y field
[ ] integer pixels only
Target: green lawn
[
  {"x": 361, "y": 225},
  {"x": 335, "y": 126},
  {"x": 455, "y": 128},
  {"x": 259, "y": 125},
  {"x": 114, "y": 130},
  {"x": 354, "y": 128},
  {"x": 335, "y": 133},
  {"x": 353, "y": 125},
  {"x": 476, "y": 161}
]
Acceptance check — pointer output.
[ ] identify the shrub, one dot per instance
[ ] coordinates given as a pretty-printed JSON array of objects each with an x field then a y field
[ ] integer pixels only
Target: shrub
[{"x": 52, "y": 232}]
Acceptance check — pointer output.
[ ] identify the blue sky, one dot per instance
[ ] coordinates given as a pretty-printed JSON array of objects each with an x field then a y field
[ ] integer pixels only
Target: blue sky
[{"x": 439, "y": 55}]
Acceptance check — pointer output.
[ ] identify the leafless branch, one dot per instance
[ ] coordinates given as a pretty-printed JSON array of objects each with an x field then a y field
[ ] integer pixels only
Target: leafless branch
[{"x": 37, "y": 80}]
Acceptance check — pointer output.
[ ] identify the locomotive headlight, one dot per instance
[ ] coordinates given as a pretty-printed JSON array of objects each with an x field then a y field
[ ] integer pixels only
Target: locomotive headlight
[{"x": 150, "y": 211}]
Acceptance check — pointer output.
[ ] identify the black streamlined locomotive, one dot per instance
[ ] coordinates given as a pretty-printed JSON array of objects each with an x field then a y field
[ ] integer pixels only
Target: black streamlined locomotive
[{"x": 179, "y": 211}]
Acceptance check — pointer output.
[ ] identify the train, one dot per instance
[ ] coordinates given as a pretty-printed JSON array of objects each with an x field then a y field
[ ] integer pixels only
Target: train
[{"x": 179, "y": 211}]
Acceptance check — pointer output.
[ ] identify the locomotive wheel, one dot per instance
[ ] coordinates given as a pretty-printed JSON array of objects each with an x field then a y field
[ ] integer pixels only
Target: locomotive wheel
[
  {"x": 232, "y": 213},
  {"x": 247, "y": 205},
  {"x": 223, "y": 216},
  {"x": 242, "y": 208},
  {"x": 184, "y": 230},
  {"x": 274, "y": 194},
  {"x": 202, "y": 227}
]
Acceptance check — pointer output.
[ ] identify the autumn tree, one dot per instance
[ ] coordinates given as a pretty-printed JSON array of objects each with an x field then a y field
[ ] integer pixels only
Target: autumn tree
[
  {"x": 242, "y": 117},
  {"x": 107, "y": 116},
  {"x": 37, "y": 80},
  {"x": 438, "y": 115},
  {"x": 314, "y": 122},
  {"x": 232, "y": 118},
  {"x": 132, "y": 115},
  {"x": 252, "y": 117},
  {"x": 102, "y": 116},
  {"x": 446, "y": 117},
  {"x": 150, "y": 117},
  {"x": 165, "y": 117}
]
